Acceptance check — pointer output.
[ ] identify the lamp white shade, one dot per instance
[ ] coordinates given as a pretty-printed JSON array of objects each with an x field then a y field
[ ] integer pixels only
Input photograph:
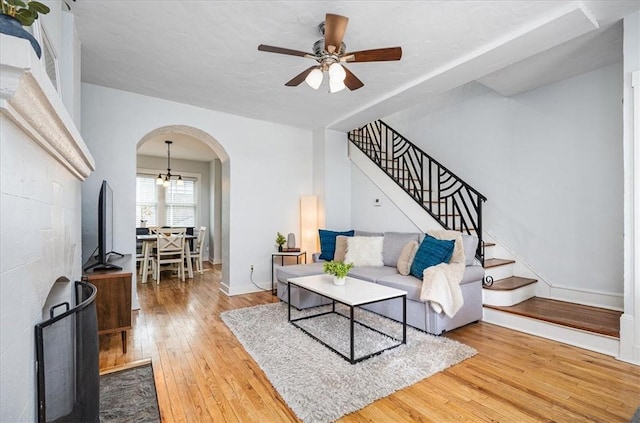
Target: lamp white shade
[
  {"x": 336, "y": 85},
  {"x": 314, "y": 79},
  {"x": 159, "y": 180},
  {"x": 337, "y": 72},
  {"x": 309, "y": 223}
]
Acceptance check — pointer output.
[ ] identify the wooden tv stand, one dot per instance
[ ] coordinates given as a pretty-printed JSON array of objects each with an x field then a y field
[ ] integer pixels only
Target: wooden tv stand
[{"x": 113, "y": 301}]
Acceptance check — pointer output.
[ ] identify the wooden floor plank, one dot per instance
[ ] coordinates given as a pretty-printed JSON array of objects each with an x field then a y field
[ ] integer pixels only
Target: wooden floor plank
[{"x": 202, "y": 373}]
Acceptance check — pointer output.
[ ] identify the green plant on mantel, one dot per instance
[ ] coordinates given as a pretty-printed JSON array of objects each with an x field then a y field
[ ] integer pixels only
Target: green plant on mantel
[
  {"x": 337, "y": 268},
  {"x": 26, "y": 12}
]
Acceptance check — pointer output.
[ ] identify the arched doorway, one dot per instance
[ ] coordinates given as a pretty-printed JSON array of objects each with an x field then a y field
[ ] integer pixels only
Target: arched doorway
[{"x": 185, "y": 138}]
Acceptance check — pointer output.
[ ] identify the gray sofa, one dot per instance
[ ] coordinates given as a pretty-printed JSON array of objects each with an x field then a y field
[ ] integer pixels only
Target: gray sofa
[{"x": 419, "y": 314}]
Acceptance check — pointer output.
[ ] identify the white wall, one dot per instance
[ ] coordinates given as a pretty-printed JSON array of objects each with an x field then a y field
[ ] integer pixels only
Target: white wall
[
  {"x": 331, "y": 175},
  {"x": 270, "y": 167},
  {"x": 549, "y": 161},
  {"x": 215, "y": 206},
  {"x": 630, "y": 320},
  {"x": 366, "y": 216}
]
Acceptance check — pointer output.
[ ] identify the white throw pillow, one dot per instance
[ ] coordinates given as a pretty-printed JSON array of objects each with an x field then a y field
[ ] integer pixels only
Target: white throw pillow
[{"x": 364, "y": 251}]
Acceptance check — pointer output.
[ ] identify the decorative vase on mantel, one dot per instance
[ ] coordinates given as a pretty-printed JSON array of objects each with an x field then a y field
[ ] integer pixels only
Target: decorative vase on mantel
[{"x": 11, "y": 26}]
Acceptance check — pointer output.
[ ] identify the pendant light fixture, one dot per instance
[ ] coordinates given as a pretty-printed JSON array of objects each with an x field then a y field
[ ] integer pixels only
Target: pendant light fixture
[{"x": 165, "y": 180}]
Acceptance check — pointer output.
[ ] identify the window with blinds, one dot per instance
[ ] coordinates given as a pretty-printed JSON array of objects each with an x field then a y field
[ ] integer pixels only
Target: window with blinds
[
  {"x": 180, "y": 203},
  {"x": 147, "y": 200},
  {"x": 175, "y": 205}
]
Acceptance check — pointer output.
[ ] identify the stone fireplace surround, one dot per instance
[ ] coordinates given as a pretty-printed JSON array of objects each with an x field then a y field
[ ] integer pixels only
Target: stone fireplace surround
[{"x": 43, "y": 161}]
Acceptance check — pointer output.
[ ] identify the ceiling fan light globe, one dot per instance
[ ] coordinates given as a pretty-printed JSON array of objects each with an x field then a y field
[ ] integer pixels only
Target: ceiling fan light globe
[
  {"x": 166, "y": 183},
  {"x": 336, "y": 85},
  {"x": 159, "y": 180},
  {"x": 180, "y": 182},
  {"x": 314, "y": 79},
  {"x": 337, "y": 72}
]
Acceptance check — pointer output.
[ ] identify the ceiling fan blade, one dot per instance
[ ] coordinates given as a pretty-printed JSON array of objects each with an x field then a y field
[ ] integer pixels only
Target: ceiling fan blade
[
  {"x": 334, "y": 28},
  {"x": 281, "y": 50},
  {"x": 375, "y": 55},
  {"x": 297, "y": 80},
  {"x": 351, "y": 81}
]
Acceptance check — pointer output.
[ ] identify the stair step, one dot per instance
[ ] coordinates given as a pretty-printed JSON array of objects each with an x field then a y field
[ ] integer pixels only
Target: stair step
[
  {"x": 591, "y": 319},
  {"x": 511, "y": 283},
  {"x": 488, "y": 244},
  {"x": 495, "y": 262}
]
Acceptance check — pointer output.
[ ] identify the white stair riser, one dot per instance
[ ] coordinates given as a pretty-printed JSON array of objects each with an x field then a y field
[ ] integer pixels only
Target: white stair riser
[
  {"x": 489, "y": 252},
  {"x": 499, "y": 272},
  {"x": 508, "y": 298}
]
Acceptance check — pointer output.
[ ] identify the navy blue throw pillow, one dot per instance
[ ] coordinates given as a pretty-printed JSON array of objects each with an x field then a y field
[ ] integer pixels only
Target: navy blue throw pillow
[
  {"x": 431, "y": 252},
  {"x": 328, "y": 242}
]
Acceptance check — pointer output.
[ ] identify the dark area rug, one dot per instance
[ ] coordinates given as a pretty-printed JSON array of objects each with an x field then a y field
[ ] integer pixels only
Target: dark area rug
[{"x": 129, "y": 396}]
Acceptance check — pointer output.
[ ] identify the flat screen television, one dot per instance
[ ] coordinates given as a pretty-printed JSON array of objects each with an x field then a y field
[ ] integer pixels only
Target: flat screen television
[{"x": 105, "y": 231}]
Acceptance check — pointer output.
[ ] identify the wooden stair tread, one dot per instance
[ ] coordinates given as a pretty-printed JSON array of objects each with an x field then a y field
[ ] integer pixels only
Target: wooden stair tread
[
  {"x": 591, "y": 319},
  {"x": 511, "y": 283},
  {"x": 494, "y": 262},
  {"x": 488, "y": 244}
]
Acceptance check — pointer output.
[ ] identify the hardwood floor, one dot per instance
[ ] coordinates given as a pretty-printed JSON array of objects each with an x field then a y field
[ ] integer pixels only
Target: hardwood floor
[{"x": 203, "y": 374}]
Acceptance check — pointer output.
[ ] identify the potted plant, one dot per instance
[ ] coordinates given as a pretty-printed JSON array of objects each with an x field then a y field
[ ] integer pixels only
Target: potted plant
[
  {"x": 338, "y": 270},
  {"x": 280, "y": 240},
  {"x": 18, "y": 13}
]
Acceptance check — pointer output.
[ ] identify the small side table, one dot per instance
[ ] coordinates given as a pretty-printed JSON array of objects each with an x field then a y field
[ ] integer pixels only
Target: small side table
[{"x": 282, "y": 254}]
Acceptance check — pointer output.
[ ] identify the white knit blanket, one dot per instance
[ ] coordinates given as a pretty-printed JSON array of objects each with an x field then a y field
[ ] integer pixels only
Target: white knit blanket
[{"x": 441, "y": 283}]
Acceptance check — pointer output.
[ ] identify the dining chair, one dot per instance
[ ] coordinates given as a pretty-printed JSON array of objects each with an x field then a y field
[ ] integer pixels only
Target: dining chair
[
  {"x": 140, "y": 246},
  {"x": 198, "y": 248},
  {"x": 169, "y": 250}
]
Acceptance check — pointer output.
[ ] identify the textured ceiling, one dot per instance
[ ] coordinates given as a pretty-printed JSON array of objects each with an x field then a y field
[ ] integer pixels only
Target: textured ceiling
[{"x": 205, "y": 53}]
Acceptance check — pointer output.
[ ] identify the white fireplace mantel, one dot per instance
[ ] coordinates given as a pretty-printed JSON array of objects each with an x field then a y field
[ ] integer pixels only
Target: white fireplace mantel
[{"x": 28, "y": 98}]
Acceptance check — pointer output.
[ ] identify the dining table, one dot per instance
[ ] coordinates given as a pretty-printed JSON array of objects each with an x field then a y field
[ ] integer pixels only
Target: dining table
[{"x": 148, "y": 243}]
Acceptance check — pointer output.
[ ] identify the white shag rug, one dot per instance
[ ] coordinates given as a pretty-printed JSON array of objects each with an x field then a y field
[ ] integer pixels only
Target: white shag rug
[{"x": 319, "y": 385}]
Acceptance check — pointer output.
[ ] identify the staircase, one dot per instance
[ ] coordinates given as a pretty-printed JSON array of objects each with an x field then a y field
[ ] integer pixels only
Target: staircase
[{"x": 509, "y": 286}]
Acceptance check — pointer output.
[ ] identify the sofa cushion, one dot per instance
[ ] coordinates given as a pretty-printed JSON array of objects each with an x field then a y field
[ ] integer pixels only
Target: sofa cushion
[
  {"x": 472, "y": 274},
  {"x": 406, "y": 257},
  {"x": 366, "y": 233},
  {"x": 470, "y": 244},
  {"x": 341, "y": 248},
  {"x": 295, "y": 270},
  {"x": 372, "y": 273},
  {"x": 328, "y": 242},
  {"x": 364, "y": 251},
  {"x": 431, "y": 252},
  {"x": 408, "y": 283},
  {"x": 393, "y": 244}
]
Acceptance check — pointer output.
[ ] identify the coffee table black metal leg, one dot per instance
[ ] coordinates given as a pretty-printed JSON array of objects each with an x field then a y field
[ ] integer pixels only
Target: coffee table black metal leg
[
  {"x": 289, "y": 299},
  {"x": 404, "y": 319},
  {"x": 351, "y": 329},
  {"x": 271, "y": 275}
]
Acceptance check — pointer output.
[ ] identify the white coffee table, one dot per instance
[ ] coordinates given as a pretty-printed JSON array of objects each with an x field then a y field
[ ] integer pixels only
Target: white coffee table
[{"x": 354, "y": 293}]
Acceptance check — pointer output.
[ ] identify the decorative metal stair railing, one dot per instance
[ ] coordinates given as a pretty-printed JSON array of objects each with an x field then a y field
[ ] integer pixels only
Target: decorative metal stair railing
[{"x": 447, "y": 198}]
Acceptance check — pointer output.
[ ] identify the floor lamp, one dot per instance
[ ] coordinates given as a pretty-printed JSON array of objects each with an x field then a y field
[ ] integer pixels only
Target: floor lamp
[{"x": 309, "y": 224}]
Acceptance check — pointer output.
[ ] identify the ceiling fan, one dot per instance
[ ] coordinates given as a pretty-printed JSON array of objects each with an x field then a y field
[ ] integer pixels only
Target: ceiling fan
[{"x": 330, "y": 53}]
